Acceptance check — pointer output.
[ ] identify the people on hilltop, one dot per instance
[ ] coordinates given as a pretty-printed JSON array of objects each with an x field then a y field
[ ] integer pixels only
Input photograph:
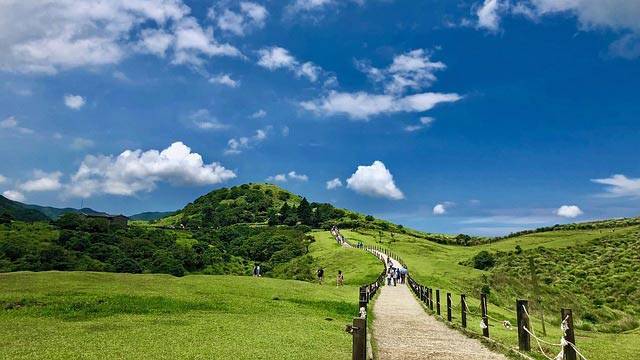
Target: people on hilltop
[
  {"x": 320, "y": 274},
  {"x": 340, "y": 279}
]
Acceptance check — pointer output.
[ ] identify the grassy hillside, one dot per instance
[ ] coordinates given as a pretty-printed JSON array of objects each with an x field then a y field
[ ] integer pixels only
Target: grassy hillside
[
  {"x": 124, "y": 316},
  {"x": 151, "y": 215},
  {"x": 592, "y": 271},
  {"x": 96, "y": 315}
]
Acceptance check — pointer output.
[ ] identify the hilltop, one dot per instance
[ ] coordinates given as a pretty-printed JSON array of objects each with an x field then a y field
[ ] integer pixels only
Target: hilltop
[{"x": 266, "y": 204}]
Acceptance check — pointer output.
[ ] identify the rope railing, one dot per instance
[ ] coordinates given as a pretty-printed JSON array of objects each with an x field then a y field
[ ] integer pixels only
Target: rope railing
[{"x": 568, "y": 349}]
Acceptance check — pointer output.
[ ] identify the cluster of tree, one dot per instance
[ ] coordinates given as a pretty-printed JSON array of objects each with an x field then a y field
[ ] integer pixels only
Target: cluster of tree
[
  {"x": 313, "y": 215},
  {"x": 236, "y": 205},
  {"x": 256, "y": 203},
  {"x": 89, "y": 244}
]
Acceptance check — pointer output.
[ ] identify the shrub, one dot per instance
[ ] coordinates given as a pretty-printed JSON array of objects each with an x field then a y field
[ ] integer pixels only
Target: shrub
[{"x": 483, "y": 260}]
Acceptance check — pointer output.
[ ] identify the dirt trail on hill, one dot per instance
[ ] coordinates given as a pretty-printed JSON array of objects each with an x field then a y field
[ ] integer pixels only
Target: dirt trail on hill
[{"x": 404, "y": 331}]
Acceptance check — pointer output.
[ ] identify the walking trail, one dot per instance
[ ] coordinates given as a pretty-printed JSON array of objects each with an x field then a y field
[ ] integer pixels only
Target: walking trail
[{"x": 403, "y": 330}]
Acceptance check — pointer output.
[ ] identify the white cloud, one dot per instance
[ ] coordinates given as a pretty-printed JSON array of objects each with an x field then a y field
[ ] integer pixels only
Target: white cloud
[
  {"x": 374, "y": 180},
  {"x": 74, "y": 102},
  {"x": 192, "y": 41},
  {"x": 12, "y": 124},
  {"x": 425, "y": 121},
  {"x": 569, "y": 211},
  {"x": 412, "y": 70},
  {"x": 9, "y": 123},
  {"x": 81, "y": 143},
  {"x": 42, "y": 182},
  {"x": 620, "y": 186},
  {"x": 488, "y": 17},
  {"x": 439, "y": 209},
  {"x": 224, "y": 79},
  {"x": 3, "y": 179},
  {"x": 334, "y": 184},
  {"x": 155, "y": 41},
  {"x": 14, "y": 195},
  {"x": 285, "y": 131},
  {"x": 134, "y": 171},
  {"x": 275, "y": 57},
  {"x": 627, "y": 47},
  {"x": 292, "y": 175},
  {"x": 362, "y": 105},
  {"x": 311, "y": 9},
  {"x": 237, "y": 145},
  {"x": 309, "y": 5},
  {"x": 203, "y": 120},
  {"x": 295, "y": 176},
  {"x": 622, "y": 16},
  {"x": 259, "y": 114},
  {"x": 278, "y": 178},
  {"x": 250, "y": 16},
  {"x": 48, "y": 37}
]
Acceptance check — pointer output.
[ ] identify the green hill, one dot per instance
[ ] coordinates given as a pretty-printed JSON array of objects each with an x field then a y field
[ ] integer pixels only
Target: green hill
[
  {"x": 54, "y": 213},
  {"x": 592, "y": 269},
  {"x": 17, "y": 211},
  {"x": 151, "y": 215},
  {"x": 264, "y": 204},
  {"x": 28, "y": 212}
]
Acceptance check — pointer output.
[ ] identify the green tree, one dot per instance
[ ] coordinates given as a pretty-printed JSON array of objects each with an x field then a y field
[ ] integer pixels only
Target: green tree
[
  {"x": 304, "y": 212},
  {"x": 6, "y": 218}
]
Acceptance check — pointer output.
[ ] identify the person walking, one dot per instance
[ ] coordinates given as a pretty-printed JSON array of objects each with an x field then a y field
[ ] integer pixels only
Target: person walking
[
  {"x": 320, "y": 274},
  {"x": 340, "y": 279}
]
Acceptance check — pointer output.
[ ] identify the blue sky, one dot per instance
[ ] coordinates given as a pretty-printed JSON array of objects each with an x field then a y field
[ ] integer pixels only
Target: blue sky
[{"x": 481, "y": 117}]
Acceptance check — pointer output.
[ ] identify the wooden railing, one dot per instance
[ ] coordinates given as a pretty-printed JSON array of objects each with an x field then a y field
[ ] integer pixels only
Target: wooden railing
[{"x": 568, "y": 349}]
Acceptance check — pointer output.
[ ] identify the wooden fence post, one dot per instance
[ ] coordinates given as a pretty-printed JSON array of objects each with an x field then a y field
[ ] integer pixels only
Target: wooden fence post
[
  {"x": 569, "y": 351},
  {"x": 449, "y": 307},
  {"x": 463, "y": 306},
  {"x": 363, "y": 297},
  {"x": 485, "y": 318},
  {"x": 431, "y": 299},
  {"x": 524, "y": 340},
  {"x": 359, "y": 338},
  {"x": 438, "y": 301}
]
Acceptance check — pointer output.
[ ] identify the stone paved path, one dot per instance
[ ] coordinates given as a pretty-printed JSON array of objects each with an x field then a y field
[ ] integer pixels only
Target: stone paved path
[{"x": 403, "y": 330}]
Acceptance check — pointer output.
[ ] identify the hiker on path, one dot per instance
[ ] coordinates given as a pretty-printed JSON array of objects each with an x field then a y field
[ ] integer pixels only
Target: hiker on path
[
  {"x": 340, "y": 279},
  {"x": 391, "y": 274},
  {"x": 320, "y": 275}
]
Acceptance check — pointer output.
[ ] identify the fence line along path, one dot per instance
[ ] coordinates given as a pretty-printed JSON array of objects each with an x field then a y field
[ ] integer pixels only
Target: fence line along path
[{"x": 403, "y": 330}]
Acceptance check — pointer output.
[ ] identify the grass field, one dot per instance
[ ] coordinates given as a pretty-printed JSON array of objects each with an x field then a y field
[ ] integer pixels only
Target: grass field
[
  {"x": 437, "y": 266},
  {"x": 84, "y": 315}
]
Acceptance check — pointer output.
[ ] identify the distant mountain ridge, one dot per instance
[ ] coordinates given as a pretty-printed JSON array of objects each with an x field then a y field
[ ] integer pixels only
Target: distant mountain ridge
[{"x": 29, "y": 212}]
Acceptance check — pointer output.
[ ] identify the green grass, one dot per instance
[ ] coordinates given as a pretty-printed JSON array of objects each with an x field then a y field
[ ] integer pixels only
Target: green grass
[
  {"x": 85, "y": 315},
  {"x": 359, "y": 268},
  {"x": 79, "y": 315},
  {"x": 437, "y": 266}
]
